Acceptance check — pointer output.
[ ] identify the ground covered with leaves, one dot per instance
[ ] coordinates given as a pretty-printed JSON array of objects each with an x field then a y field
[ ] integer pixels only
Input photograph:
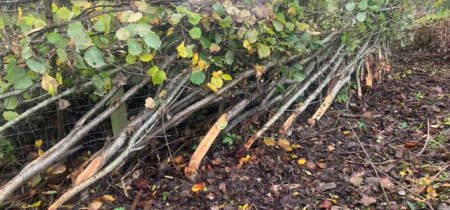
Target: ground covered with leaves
[{"x": 389, "y": 148}]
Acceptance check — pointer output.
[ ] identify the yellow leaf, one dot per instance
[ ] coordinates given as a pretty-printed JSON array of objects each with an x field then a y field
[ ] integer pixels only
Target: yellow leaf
[
  {"x": 226, "y": 77},
  {"x": 20, "y": 15},
  {"x": 48, "y": 83},
  {"x": 269, "y": 142},
  {"x": 108, "y": 198},
  {"x": 170, "y": 31},
  {"x": 248, "y": 46},
  {"x": 86, "y": 5},
  {"x": 432, "y": 194},
  {"x": 245, "y": 159},
  {"x": 223, "y": 205},
  {"x": 244, "y": 207},
  {"x": 217, "y": 73},
  {"x": 217, "y": 81},
  {"x": 292, "y": 11},
  {"x": 38, "y": 143},
  {"x": 260, "y": 70},
  {"x": 60, "y": 62},
  {"x": 197, "y": 187},
  {"x": 182, "y": 52},
  {"x": 402, "y": 173},
  {"x": 202, "y": 65},
  {"x": 40, "y": 152},
  {"x": 34, "y": 205},
  {"x": 285, "y": 144},
  {"x": 301, "y": 161},
  {"x": 146, "y": 57},
  {"x": 302, "y": 26},
  {"x": 212, "y": 87},
  {"x": 194, "y": 59},
  {"x": 162, "y": 93},
  {"x": 346, "y": 132}
]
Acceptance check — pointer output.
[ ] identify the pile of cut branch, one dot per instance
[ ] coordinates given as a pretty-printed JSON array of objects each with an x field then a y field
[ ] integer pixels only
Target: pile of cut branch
[{"x": 256, "y": 87}]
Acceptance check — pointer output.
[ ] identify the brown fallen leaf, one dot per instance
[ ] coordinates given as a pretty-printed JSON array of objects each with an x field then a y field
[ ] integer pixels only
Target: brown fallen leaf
[
  {"x": 356, "y": 178},
  {"x": 386, "y": 183},
  {"x": 326, "y": 204},
  {"x": 178, "y": 159},
  {"x": 108, "y": 198},
  {"x": 367, "y": 200},
  {"x": 285, "y": 144},
  {"x": 58, "y": 169}
]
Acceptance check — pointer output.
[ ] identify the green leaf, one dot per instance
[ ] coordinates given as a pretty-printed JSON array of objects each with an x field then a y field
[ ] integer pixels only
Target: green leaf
[
  {"x": 123, "y": 34},
  {"x": 94, "y": 57},
  {"x": 229, "y": 57},
  {"x": 197, "y": 77},
  {"x": 221, "y": 124},
  {"x": 1, "y": 23},
  {"x": 59, "y": 78},
  {"x": 98, "y": 82},
  {"x": 142, "y": 29},
  {"x": 36, "y": 66},
  {"x": 23, "y": 83},
  {"x": 226, "y": 22},
  {"x": 193, "y": 18},
  {"x": 278, "y": 25},
  {"x": 134, "y": 47},
  {"x": 263, "y": 51},
  {"x": 363, "y": 5},
  {"x": 63, "y": 13},
  {"x": 62, "y": 54},
  {"x": 26, "y": 52},
  {"x": 206, "y": 43},
  {"x": 11, "y": 102},
  {"x": 361, "y": 16},
  {"x": 130, "y": 59},
  {"x": 280, "y": 17},
  {"x": 218, "y": 8},
  {"x": 53, "y": 37},
  {"x": 195, "y": 33},
  {"x": 158, "y": 77},
  {"x": 54, "y": 7},
  {"x": 350, "y": 6},
  {"x": 153, "y": 70},
  {"x": 280, "y": 88},
  {"x": 252, "y": 36},
  {"x": 175, "y": 18},
  {"x": 78, "y": 61},
  {"x": 76, "y": 30},
  {"x": 152, "y": 40},
  {"x": 299, "y": 76},
  {"x": 99, "y": 26},
  {"x": 10, "y": 115},
  {"x": 290, "y": 26}
]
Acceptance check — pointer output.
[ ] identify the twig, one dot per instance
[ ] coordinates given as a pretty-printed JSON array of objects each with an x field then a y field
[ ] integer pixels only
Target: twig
[
  {"x": 427, "y": 140},
  {"x": 371, "y": 163},
  {"x": 46, "y": 102},
  {"x": 17, "y": 92},
  {"x": 287, "y": 124},
  {"x": 288, "y": 103}
]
